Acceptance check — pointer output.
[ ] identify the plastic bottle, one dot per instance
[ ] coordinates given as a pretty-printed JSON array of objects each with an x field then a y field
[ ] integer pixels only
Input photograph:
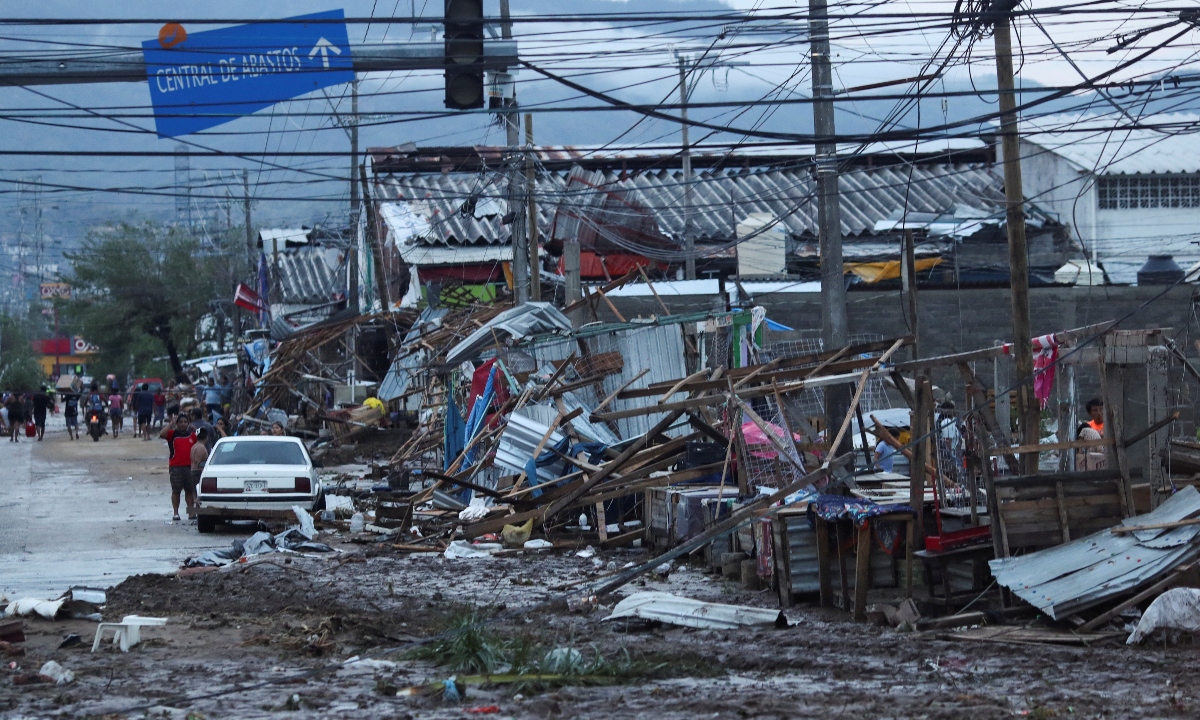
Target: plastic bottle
[{"x": 357, "y": 523}]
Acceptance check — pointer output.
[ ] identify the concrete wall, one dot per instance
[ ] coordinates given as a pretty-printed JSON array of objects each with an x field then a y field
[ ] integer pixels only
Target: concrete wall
[
  {"x": 1058, "y": 185},
  {"x": 953, "y": 321}
]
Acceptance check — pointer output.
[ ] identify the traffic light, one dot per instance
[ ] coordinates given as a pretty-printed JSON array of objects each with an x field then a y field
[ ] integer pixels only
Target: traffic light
[{"x": 464, "y": 54}]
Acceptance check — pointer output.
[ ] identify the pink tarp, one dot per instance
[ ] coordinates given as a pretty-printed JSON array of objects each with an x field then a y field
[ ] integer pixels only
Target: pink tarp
[{"x": 755, "y": 438}]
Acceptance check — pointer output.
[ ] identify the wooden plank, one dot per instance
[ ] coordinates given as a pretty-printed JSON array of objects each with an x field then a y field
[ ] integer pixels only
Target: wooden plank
[
  {"x": 1155, "y": 526},
  {"x": 823, "y": 570},
  {"x": 1064, "y": 337},
  {"x": 1047, "y": 447},
  {"x": 1062, "y": 512},
  {"x": 862, "y": 573}
]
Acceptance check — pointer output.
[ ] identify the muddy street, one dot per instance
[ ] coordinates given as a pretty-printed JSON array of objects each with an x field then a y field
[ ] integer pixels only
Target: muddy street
[
  {"x": 347, "y": 635},
  {"x": 86, "y": 513}
]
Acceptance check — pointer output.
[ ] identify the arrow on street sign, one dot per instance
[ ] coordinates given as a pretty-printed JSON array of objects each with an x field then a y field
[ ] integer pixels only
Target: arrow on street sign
[
  {"x": 323, "y": 46},
  {"x": 211, "y": 77}
]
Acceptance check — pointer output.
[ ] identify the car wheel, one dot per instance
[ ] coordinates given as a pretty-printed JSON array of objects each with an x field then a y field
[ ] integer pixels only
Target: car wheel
[{"x": 206, "y": 523}]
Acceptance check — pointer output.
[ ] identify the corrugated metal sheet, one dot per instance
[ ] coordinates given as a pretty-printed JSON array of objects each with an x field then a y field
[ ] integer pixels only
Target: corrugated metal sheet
[
  {"x": 309, "y": 275},
  {"x": 1090, "y": 142},
  {"x": 408, "y": 365},
  {"x": 1068, "y": 578},
  {"x": 520, "y": 438},
  {"x": 722, "y": 198},
  {"x": 659, "y": 348}
]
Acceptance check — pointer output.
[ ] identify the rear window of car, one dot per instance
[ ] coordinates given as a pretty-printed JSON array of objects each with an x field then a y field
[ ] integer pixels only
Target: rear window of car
[{"x": 258, "y": 453}]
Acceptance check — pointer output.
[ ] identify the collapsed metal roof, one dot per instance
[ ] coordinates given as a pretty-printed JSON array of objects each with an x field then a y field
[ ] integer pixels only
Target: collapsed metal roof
[
  {"x": 465, "y": 209},
  {"x": 1068, "y": 578}
]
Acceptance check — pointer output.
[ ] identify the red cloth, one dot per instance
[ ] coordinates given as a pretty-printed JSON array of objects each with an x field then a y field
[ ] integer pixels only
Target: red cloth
[
  {"x": 479, "y": 384},
  {"x": 180, "y": 449},
  {"x": 1043, "y": 379}
]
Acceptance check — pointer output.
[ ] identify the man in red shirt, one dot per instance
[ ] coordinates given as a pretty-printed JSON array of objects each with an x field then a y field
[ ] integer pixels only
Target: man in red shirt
[{"x": 180, "y": 439}]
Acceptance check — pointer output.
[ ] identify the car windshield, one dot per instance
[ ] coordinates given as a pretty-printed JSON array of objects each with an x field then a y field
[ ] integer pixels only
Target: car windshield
[{"x": 258, "y": 453}]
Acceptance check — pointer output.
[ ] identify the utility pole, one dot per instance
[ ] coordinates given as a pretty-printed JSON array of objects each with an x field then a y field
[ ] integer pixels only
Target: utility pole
[
  {"x": 249, "y": 226},
  {"x": 1018, "y": 254},
  {"x": 689, "y": 240},
  {"x": 516, "y": 210},
  {"x": 354, "y": 210},
  {"x": 535, "y": 274},
  {"x": 908, "y": 288},
  {"x": 834, "y": 324}
]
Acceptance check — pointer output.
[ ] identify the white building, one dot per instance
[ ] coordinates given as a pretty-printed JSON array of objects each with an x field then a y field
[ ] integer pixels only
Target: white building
[{"x": 1125, "y": 194}]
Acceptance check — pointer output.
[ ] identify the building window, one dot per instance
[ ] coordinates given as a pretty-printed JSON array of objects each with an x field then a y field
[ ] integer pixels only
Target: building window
[{"x": 1137, "y": 192}]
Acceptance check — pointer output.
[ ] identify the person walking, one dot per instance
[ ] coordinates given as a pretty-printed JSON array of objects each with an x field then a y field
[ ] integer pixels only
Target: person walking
[
  {"x": 160, "y": 408},
  {"x": 16, "y": 416},
  {"x": 181, "y": 438},
  {"x": 143, "y": 405},
  {"x": 71, "y": 414},
  {"x": 198, "y": 422},
  {"x": 41, "y": 403},
  {"x": 199, "y": 456},
  {"x": 116, "y": 404},
  {"x": 212, "y": 399}
]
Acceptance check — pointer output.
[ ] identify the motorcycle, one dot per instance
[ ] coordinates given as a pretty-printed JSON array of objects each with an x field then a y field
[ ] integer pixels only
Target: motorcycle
[{"x": 96, "y": 424}]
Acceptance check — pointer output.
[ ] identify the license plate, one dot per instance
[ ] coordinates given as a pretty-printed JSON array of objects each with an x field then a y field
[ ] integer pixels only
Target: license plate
[{"x": 256, "y": 486}]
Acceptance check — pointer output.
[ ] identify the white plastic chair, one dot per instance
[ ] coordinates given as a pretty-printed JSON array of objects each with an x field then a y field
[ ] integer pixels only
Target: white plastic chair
[{"x": 126, "y": 633}]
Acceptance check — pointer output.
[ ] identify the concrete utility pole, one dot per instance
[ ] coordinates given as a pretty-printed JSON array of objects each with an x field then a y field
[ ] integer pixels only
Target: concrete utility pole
[
  {"x": 249, "y": 225},
  {"x": 834, "y": 323},
  {"x": 535, "y": 274},
  {"x": 514, "y": 195},
  {"x": 1018, "y": 253},
  {"x": 689, "y": 241}
]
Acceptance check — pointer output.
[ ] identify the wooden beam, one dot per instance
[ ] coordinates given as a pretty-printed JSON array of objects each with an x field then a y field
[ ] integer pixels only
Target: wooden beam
[{"x": 1064, "y": 337}]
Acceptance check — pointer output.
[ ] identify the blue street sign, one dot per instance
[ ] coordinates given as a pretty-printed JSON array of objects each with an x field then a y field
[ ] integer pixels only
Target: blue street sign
[{"x": 211, "y": 77}]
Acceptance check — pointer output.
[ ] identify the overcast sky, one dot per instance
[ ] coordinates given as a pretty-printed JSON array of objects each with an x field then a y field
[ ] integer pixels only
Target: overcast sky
[{"x": 638, "y": 66}]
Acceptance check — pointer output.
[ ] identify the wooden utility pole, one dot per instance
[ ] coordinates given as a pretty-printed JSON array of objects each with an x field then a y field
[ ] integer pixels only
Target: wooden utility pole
[
  {"x": 372, "y": 234},
  {"x": 834, "y": 322},
  {"x": 352, "y": 259},
  {"x": 908, "y": 288},
  {"x": 1018, "y": 253},
  {"x": 535, "y": 274},
  {"x": 516, "y": 204},
  {"x": 689, "y": 241}
]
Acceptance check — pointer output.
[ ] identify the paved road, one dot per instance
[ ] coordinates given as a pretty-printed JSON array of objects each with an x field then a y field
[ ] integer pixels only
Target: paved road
[{"x": 85, "y": 513}]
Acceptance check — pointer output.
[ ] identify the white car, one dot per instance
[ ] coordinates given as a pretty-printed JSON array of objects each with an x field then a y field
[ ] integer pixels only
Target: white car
[{"x": 254, "y": 473}]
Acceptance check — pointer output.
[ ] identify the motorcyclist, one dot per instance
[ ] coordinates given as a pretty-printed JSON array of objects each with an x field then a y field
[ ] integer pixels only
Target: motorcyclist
[{"x": 96, "y": 407}]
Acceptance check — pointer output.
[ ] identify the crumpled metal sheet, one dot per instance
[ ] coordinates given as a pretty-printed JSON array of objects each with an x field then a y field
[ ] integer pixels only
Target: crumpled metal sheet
[
  {"x": 1068, "y": 578},
  {"x": 526, "y": 319},
  {"x": 675, "y": 610}
]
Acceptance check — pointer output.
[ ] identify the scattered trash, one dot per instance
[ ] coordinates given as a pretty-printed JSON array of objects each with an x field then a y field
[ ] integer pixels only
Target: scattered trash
[
  {"x": 339, "y": 505},
  {"x": 906, "y": 614},
  {"x": 71, "y": 641},
  {"x": 24, "y": 607},
  {"x": 126, "y": 633},
  {"x": 483, "y": 710},
  {"x": 515, "y": 536},
  {"x": 451, "y": 692},
  {"x": 10, "y": 650},
  {"x": 538, "y": 544},
  {"x": 1176, "y": 609},
  {"x": 587, "y": 552},
  {"x": 473, "y": 513},
  {"x": 461, "y": 550},
  {"x": 563, "y": 660},
  {"x": 12, "y": 631},
  {"x": 357, "y": 523},
  {"x": 675, "y": 610},
  {"x": 307, "y": 528},
  {"x": 57, "y": 673}
]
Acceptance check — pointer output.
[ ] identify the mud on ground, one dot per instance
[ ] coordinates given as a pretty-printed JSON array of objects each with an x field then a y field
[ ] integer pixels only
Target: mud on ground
[{"x": 252, "y": 643}]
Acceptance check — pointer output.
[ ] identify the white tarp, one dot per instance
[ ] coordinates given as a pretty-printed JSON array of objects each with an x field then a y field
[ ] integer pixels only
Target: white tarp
[
  {"x": 1176, "y": 609},
  {"x": 675, "y": 610}
]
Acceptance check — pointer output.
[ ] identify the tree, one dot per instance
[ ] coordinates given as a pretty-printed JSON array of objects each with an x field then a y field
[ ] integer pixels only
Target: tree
[
  {"x": 19, "y": 368},
  {"x": 136, "y": 283}
]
